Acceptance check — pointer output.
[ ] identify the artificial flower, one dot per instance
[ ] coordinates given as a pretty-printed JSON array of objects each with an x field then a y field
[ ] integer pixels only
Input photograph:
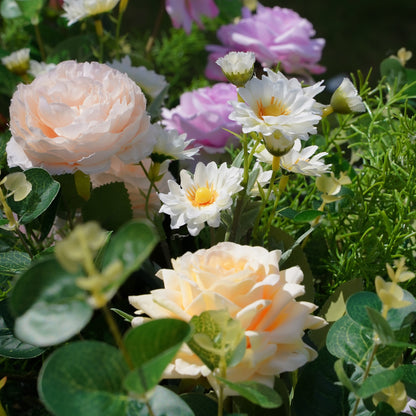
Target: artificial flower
[
  {"x": 201, "y": 198},
  {"x": 279, "y": 109},
  {"x": 17, "y": 185},
  {"x": 247, "y": 282},
  {"x": 184, "y": 12},
  {"x": 137, "y": 184},
  {"x": 76, "y": 10},
  {"x": 36, "y": 68},
  {"x": 17, "y": 62},
  {"x": 276, "y": 36},
  {"x": 203, "y": 114},
  {"x": 346, "y": 100},
  {"x": 77, "y": 116},
  {"x": 394, "y": 395},
  {"x": 151, "y": 83},
  {"x": 330, "y": 186},
  {"x": 403, "y": 56},
  {"x": 238, "y": 67},
  {"x": 170, "y": 145}
]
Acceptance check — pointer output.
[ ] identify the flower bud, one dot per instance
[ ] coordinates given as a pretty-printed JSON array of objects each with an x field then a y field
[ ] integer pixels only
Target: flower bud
[
  {"x": 238, "y": 67},
  {"x": 17, "y": 62},
  {"x": 346, "y": 100}
]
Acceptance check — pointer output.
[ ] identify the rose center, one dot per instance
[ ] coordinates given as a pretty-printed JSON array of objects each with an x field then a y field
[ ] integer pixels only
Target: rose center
[
  {"x": 202, "y": 196},
  {"x": 275, "y": 108}
]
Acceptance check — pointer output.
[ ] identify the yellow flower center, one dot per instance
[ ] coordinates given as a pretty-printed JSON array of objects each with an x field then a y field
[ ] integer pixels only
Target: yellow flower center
[
  {"x": 275, "y": 108},
  {"x": 202, "y": 196}
]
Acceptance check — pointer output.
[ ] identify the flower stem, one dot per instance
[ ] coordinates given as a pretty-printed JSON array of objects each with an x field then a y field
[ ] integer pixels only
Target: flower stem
[
  {"x": 156, "y": 28},
  {"x": 100, "y": 34},
  {"x": 121, "y": 10},
  {"x": 40, "y": 42}
]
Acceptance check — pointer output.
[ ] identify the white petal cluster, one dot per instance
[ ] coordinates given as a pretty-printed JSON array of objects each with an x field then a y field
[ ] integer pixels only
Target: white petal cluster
[
  {"x": 201, "y": 198},
  {"x": 238, "y": 67},
  {"x": 76, "y": 10},
  {"x": 278, "y": 108},
  {"x": 346, "y": 99},
  {"x": 18, "y": 61}
]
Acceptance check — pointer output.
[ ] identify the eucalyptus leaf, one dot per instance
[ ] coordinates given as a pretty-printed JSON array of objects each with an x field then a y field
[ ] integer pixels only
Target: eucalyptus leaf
[
  {"x": 381, "y": 326},
  {"x": 48, "y": 305},
  {"x": 151, "y": 347},
  {"x": 257, "y": 393},
  {"x": 373, "y": 384},
  {"x": 84, "y": 378},
  {"x": 200, "y": 404},
  {"x": 10, "y": 346},
  {"x": 44, "y": 190},
  {"x": 13, "y": 262},
  {"x": 357, "y": 307}
]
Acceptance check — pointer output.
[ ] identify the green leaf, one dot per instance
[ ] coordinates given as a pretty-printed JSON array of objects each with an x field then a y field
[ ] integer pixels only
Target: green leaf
[
  {"x": 44, "y": 191},
  {"x": 156, "y": 104},
  {"x": 393, "y": 70},
  {"x": 10, "y": 346},
  {"x": 257, "y": 393},
  {"x": 30, "y": 8},
  {"x": 13, "y": 262},
  {"x": 348, "y": 340},
  {"x": 397, "y": 318},
  {"x": 387, "y": 354},
  {"x": 357, "y": 307},
  {"x": 343, "y": 377},
  {"x": 381, "y": 326},
  {"x": 373, "y": 384},
  {"x": 48, "y": 305},
  {"x": 384, "y": 409},
  {"x": 109, "y": 205},
  {"x": 84, "y": 378},
  {"x": 217, "y": 339},
  {"x": 151, "y": 347},
  {"x": 307, "y": 216},
  {"x": 200, "y": 404}
]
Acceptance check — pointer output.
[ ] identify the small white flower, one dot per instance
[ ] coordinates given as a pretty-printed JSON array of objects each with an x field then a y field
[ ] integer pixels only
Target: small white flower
[
  {"x": 279, "y": 109},
  {"x": 200, "y": 198},
  {"x": 76, "y": 10},
  {"x": 346, "y": 99},
  {"x": 238, "y": 67},
  {"x": 17, "y": 185},
  {"x": 171, "y": 145},
  {"x": 18, "y": 61},
  {"x": 302, "y": 161},
  {"x": 37, "y": 68},
  {"x": 150, "y": 82}
]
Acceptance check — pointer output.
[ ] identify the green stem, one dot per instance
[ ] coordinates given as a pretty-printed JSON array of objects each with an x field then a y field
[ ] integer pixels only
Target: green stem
[
  {"x": 40, "y": 43},
  {"x": 156, "y": 28}
]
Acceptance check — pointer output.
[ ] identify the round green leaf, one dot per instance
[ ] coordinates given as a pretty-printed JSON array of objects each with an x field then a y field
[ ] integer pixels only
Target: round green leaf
[
  {"x": 48, "y": 305},
  {"x": 357, "y": 307},
  {"x": 85, "y": 379},
  {"x": 10, "y": 346},
  {"x": 44, "y": 191},
  {"x": 9, "y": 9},
  {"x": 151, "y": 347}
]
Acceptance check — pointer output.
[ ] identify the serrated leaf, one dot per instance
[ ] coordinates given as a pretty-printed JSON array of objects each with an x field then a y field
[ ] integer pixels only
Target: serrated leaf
[
  {"x": 44, "y": 190},
  {"x": 217, "y": 339},
  {"x": 348, "y": 340},
  {"x": 48, "y": 305},
  {"x": 151, "y": 347},
  {"x": 257, "y": 393},
  {"x": 109, "y": 205}
]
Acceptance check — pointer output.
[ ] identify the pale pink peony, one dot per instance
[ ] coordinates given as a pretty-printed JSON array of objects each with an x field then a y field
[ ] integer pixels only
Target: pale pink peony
[
  {"x": 275, "y": 35},
  {"x": 203, "y": 115},
  {"x": 247, "y": 282},
  {"x": 137, "y": 184},
  {"x": 77, "y": 116},
  {"x": 184, "y": 12}
]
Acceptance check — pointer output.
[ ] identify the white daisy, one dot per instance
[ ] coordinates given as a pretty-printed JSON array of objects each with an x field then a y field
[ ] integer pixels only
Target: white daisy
[
  {"x": 171, "y": 145},
  {"x": 238, "y": 67},
  {"x": 76, "y": 10},
  {"x": 279, "y": 109},
  {"x": 149, "y": 81},
  {"x": 346, "y": 100},
  {"x": 18, "y": 61},
  {"x": 201, "y": 198}
]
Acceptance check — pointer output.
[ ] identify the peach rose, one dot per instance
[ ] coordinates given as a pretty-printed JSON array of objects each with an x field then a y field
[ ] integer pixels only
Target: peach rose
[
  {"x": 247, "y": 282},
  {"x": 76, "y": 117},
  {"x": 136, "y": 183}
]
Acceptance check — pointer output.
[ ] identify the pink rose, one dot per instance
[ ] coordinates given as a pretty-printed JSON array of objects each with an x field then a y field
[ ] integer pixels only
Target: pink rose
[
  {"x": 203, "y": 115},
  {"x": 184, "y": 12},
  {"x": 247, "y": 282},
  {"x": 77, "y": 116},
  {"x": 275, "y": 35}
]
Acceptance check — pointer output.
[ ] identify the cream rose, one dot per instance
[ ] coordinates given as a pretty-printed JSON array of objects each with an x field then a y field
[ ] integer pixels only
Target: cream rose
[
  {"x": 247, "y": 282},
  {"x": 77, "y": 116}
]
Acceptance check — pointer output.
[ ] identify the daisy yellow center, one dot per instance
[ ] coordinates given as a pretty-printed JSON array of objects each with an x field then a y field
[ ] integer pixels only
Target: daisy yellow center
[
  {"x": 202, "y": 196},
  {"x": 275, "y": 108}
]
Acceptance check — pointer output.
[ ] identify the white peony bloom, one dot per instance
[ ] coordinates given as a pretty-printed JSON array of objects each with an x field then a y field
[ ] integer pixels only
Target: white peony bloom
[
  {"x": 200, "y": 198},
  {"x": 278, "y": 108},
  {"x": 76, "y": 10},
  {"x": 150, "y": 82},
  {"x": 247, "y": 282}
]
